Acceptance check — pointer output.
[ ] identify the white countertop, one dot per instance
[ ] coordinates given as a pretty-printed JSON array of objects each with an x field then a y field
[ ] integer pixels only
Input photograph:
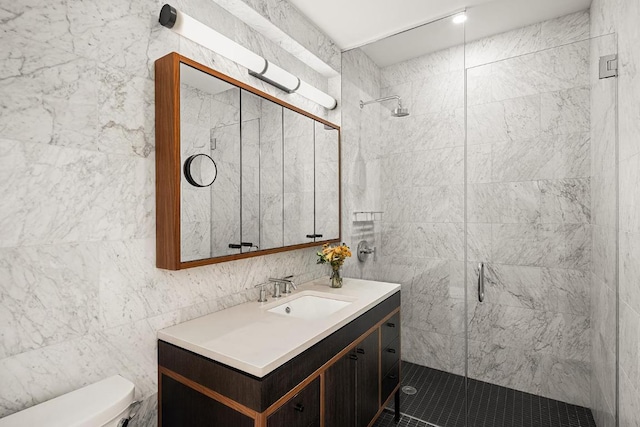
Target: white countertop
[{"x": 250, "y": 338}]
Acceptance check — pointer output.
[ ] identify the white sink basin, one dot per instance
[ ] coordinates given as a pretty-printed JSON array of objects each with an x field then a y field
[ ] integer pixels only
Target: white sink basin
[{"x": 309, "y": 307}]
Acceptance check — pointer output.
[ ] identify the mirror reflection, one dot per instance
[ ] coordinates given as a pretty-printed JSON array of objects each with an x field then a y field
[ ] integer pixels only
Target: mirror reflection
[
  {"x": 327, "y": 182},
  {"x": 299, "y": 177},
  {"x": 210, "y": 124}
]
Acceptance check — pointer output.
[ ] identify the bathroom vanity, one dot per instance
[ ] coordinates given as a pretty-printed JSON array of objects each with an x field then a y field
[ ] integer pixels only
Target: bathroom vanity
[{"x": 320, "y": 357}]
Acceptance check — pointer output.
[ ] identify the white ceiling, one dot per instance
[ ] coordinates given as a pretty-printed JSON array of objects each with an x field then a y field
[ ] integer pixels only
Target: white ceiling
[{"x": 354, "y": 23}]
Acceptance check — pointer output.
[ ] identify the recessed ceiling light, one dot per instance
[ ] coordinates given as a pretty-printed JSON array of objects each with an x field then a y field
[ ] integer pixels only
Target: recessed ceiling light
[{"x": 460, "y": 18}]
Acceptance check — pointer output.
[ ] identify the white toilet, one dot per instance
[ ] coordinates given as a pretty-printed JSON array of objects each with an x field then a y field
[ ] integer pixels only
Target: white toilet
[{"x": 106, "y": 403}]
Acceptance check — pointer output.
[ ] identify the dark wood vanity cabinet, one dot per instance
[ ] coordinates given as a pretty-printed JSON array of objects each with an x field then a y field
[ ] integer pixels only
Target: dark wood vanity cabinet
[
  {"x": 345, "y": 380},
  {"x": 303, "y": 409},
  {"x": 367, "y": 379},
  {"x": 352, "y": 386}
]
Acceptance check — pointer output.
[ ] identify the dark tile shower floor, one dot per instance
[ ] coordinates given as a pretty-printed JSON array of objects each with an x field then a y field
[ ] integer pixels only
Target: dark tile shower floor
[{"x": 439, "y": 401}]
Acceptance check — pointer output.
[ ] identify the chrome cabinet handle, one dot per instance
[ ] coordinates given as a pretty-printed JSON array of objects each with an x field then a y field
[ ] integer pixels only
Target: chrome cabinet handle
[{"x": 481, "y": 282}]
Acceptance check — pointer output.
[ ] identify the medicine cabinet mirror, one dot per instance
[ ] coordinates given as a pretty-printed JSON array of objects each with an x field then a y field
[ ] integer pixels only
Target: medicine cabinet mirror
[{"x": 239, "y": 173}]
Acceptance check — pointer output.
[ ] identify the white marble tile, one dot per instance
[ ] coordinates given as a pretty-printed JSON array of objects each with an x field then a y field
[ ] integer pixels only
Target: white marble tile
[
  {"x": 546, "y": 157},
  {"x": 506, "y": 366},
  {"x": 505, "y": 45},
  {"x": 479, "y": 242},
  {"x": 565, "y": 111},
  {"x": 604, "y": 209},
  {"x": 27, "y": 19},
  {"x": 49, "y": 295},
  {"x": 568, "y": 289},
  {"x": 629, "y": 270},
  {"x": 125, "y": 113},
  {"x": 549, "y": 70},
  {"x": 419, "y": 132},
  {"x": 510, "y": 202},
  {"x": 435, "y": 63},
  {"x": 43, "y": 374},
  {"x": 53, "y": 105},
  {"x": 517, "y": 286},
  {"x": 509, "y": 120},
  {"x": 438, "y": 93},
  {"x": 425, "y": 348},
  {"x": 479, "y": 79},
  {"x": 112, "y": 196},
  {"x": 92, "y": 26},
  {"x": 602, "y": 410},
  {"x": 566, "y": 201},
  {"x": 629, "y": 196},
  {"x": 23, "y": 56},
  {"x": 571, "y": 380},
  {"x": 359, "y": 70},
  {"x": 565, "y": 29},
  {"x": 629, "y": 402},
  {"x": 629, "y": 342},
  {"x": 612, "y": 16},
  {"x": 433, "y": 167},
  {"x": 147, "y": 414},
  {"x": 479, "y": 163},
  {"x": 423, "y": 204}
]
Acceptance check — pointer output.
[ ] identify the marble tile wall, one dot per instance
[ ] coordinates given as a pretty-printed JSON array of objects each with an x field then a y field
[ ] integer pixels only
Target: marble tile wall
[
  {"x": 529, "y": 194},
  {"x": 619, "y": 17},
  {"x": 604, "y": 237},
  {"x": 80, "y": 297},
  {"x": 423, "y": 203},
  {"x": 361, "y": 153}
]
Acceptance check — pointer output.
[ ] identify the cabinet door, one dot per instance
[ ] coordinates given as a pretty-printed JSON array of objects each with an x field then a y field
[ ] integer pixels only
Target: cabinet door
[
  {"x": 210, "y": 126},
  {"x": 303, "y": 409},
  {"x": 340, "y": 392},
  {"x": 298, "y": 178},
  {"x": 262, "y": 173},
  {"x": 327, "y": 182},
  {"x": 367, "y": 379},
  {"x": 351, "y": 389}
]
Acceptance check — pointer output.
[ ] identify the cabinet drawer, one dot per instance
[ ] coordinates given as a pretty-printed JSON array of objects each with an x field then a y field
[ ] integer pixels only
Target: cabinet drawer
[
  {"x": 390, "y": 381},
  {"x": 302, "y": 409},
  {"x": 390, "y": 356},
  {"x": 390, "y": 330}
]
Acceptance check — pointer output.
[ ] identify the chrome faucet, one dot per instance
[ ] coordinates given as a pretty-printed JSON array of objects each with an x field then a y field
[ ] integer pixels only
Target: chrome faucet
[
  {"x": 288, "y": 284},
  {"x": 286, "y": 281}
]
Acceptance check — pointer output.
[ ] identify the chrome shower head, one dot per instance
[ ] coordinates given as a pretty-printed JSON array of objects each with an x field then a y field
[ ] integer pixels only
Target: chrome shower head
[
  {"x": 396, "y": 112},
  {"x": 400, "y": 112}
]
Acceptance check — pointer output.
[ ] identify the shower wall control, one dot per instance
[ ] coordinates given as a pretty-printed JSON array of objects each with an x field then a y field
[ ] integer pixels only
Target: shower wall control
[{"x": 364, "y": 250}]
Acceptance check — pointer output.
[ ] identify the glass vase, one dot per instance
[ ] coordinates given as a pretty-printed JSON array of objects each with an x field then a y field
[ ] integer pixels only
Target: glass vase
[{"x": 336, "y": 277}]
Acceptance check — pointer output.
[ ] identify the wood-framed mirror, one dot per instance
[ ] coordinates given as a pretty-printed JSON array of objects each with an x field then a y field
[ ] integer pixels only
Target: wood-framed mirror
[{"x": 239, "y": 173}]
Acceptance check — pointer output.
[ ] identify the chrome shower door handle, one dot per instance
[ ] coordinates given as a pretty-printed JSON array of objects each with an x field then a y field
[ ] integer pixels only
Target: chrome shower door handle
[{"x": 481, "y": 282}]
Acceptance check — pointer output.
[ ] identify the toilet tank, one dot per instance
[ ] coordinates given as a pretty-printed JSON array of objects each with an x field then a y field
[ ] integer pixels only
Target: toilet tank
[{"x": 100, "y": 404}]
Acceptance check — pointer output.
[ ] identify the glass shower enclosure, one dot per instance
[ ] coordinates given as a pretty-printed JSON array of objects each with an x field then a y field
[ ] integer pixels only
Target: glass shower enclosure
[{"x": 498, "y": 195}]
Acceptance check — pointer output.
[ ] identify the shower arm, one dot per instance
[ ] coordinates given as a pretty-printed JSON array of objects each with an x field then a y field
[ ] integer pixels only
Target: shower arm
[{"x": 386, "y": 98}]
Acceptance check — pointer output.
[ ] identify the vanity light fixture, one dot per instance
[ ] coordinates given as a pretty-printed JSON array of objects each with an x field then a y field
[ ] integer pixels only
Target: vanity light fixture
[
  {"x": 459, "y": 18},
  {"x": 258, "y": 66}
]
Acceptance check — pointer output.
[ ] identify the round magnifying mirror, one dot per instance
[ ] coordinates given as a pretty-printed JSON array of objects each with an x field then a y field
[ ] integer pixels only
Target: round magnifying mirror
[{"x": 200, "y": 170}]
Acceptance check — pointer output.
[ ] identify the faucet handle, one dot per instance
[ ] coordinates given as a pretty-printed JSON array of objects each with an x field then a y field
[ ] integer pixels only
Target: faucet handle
[
  {"x": 288, "y": 284},
  {"x": 263, "y": 292}
]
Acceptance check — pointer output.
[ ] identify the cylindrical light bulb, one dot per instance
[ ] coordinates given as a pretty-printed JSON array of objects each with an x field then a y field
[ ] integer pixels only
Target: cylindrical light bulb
[
  {"x": 316, "y": 95},
  {"x": 196, "y": 31},
  {"x": 281, "y": 77}
]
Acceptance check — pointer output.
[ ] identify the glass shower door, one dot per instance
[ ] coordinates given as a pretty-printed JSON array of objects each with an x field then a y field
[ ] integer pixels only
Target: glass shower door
[{"x": 540, "y": 234}]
